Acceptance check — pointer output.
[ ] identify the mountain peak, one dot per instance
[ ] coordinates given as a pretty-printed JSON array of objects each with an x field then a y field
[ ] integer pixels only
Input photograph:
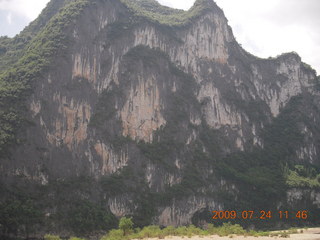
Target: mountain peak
[
  {"x": 164, "y": 15},
  {"x": 207, "y": 3},
  {"x": 129, "y": 108}
]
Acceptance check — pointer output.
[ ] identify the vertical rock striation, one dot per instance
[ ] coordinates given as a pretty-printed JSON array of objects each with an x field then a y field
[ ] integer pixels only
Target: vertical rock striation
[{"x": 174, "y": 117}]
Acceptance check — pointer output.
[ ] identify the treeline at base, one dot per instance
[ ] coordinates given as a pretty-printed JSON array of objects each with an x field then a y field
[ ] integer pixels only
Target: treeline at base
[{"x": 127, "y": 232}]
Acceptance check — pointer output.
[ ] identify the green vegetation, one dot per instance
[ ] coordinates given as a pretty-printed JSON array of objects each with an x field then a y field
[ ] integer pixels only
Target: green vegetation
[
  {"x": 317, "y": 83},
  {"x": 120, "y": 28},
  {"x": 286, "y": 233},
  {"x": 81, "y": 214},
  {"x": 125, "y": 225},
  {"x": 16, "y": 82},
  {"x": 76, "y": 238},
  {"x": 12, "y": 49},
  {"x": 5, "y": 43},
  {"x": 261, "y": 170},
  {"x": 155, "y": 232},
  {"x": 54, "y": 237},
  {"x": 151, "y": 58},
  {"x": 51, "y": 237},
  {"x": 85, "y": 217},
  {"x": 308, "y": 68},
  {"x": 227, "y": 229},
  {"x": 116, "y": 183},
  {"x": 154, "y": 12},
  {"x": 302, "y": 177},
  {"x": 192, "y": 183},
  {"x": 27, "y": 207},
  {"x": 178, "y": 105},
  {"x": 105, "y": 108},
  {"x": 258, "y": 172},
  {"x": 169, "y": 141},
  {"x": 105, "y": 120},
  {"x": 115, "y": 235},
  {"x": 126, "y": 181},
  {"x": 19, "y": 213}
]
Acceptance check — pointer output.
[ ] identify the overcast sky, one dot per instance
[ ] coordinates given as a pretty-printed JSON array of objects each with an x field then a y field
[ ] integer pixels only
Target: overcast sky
[{"x": 263, "y": 27}]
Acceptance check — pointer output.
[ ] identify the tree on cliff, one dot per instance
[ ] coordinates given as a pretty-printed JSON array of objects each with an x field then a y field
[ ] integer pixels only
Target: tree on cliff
[{"x": 125, "y": 225}]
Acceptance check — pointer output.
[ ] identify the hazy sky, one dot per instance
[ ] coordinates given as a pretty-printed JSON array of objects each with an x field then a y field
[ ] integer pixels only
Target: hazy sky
[{"x": 263, "y": 27}]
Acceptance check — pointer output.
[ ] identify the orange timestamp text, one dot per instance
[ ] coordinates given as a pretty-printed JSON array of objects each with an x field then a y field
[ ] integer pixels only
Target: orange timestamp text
[{"x": 263, "y": 215}]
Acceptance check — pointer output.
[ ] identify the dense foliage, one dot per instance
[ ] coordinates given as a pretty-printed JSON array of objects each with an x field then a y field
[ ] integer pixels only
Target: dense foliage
[
  {"x": 11, "y": 49},
  {"x": 302, "y": 177},
  {"x": 74, "y": 205},
  {"x": 17, "y": 80},
  {"x": 226, "y": 229},
  {"x": 258, "y": 173},
  {"x": 16, "y": 214},
  {"x": 125, "y": 224},
  {"x": 54, "y": 237},
  {"x": 157, "y": 13},
  {"x": 79, "y": 205}
]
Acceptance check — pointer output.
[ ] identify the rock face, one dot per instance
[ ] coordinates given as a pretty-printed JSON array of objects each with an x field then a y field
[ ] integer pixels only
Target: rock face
[{"x": 180, "y": 117}]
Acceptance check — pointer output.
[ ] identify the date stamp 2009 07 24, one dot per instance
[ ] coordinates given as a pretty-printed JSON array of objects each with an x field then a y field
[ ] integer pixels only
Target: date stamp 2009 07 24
[{"x": 263, "y": 215}]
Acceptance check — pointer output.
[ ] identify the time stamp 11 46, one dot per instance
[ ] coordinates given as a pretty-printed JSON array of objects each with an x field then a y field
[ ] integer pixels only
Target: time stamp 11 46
[{"x": 263, "y": 215}]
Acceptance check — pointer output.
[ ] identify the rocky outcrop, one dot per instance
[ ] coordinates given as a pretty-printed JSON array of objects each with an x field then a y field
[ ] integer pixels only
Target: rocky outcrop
[
  {"x": 175, "y": 104},
  {"x": 180, "y": 213},
  {"x": 141, "y": 114}
]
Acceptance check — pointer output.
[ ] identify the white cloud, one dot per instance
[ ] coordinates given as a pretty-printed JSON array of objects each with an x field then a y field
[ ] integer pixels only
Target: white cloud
[
  {"x": 25, "y": 8},
  {"x": 184, "y": 4},
  {"x": 269, "y": 28},
  {"x": 9, "y": 18},
  {"x": 264, "y": 28}
]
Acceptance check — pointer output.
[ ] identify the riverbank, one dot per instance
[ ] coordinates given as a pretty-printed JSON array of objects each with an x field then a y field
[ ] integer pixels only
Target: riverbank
[{"x": 307, "y": 234}]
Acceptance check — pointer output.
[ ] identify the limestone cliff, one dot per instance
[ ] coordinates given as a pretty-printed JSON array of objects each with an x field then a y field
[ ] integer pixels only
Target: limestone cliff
[{"x": 160, "y": 110}]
